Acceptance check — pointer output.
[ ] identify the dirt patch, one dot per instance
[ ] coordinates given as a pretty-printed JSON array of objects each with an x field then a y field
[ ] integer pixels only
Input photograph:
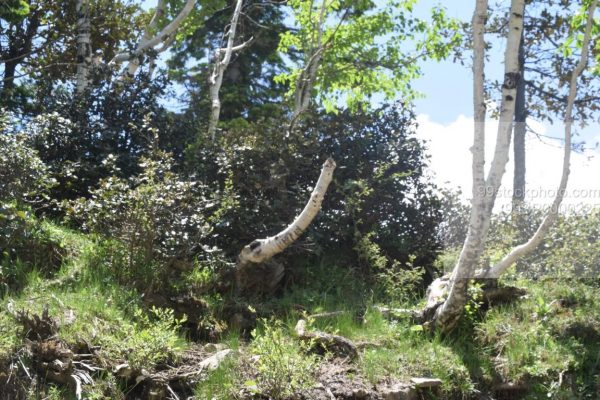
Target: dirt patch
[{"x": 339, "y": 379}]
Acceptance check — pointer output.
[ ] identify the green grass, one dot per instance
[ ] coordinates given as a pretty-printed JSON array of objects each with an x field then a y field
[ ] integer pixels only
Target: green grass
[
  {"x": 221, "y": 384},
  {"x": 84, "y": 297},
  {"x": 550, "y": 336}
]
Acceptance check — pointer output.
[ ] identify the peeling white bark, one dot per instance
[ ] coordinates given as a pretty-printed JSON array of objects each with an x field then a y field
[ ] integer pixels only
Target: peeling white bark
[
  {"x": 148, "y": 42},
  {"x": 84, "y": 47},
  {"x": 484, "y": 192},
  {"x": 263, "y": 249},
  {"x": 222, "y": 59},
  {"x": 527, "y": 247}
]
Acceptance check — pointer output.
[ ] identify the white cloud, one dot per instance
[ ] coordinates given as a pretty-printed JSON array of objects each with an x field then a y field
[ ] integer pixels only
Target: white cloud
[{"x": 449, "y": 147}]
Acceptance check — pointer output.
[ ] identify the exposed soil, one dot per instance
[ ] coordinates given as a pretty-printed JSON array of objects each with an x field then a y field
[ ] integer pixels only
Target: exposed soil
[{"x": 338, "y": 379}]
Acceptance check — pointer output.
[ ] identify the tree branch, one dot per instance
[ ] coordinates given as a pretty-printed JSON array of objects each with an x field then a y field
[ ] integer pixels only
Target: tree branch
[
  {"x": 308, "y": 75},
  {"x": 147, "y": 42}
]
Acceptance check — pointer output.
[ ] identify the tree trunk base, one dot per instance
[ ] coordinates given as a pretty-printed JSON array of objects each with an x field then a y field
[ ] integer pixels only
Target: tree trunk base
[
  {"x": 263, "y": 278},
  {"x": 492, "y": 294}
]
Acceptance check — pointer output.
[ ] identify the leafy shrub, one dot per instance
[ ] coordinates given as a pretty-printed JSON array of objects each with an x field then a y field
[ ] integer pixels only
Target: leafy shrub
[
  {"x": 74, "y": 135},
  {"x": 570, "y": 249},
  {"x": 452, "y": 230},
  {"x": 154, "y": 341},
  {"x": 397, "y": 281},
  {"x": 284, "y": 368},
  {"x": 158, "y": 217},
  {"x": 25, "y": 244},
  {"x": 23, "y": 175},
  {"x": 264, "y": 180}
]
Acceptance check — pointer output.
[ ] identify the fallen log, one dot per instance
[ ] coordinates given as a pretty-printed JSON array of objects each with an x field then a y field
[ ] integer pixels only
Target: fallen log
[{"x": 325, "y": 342}]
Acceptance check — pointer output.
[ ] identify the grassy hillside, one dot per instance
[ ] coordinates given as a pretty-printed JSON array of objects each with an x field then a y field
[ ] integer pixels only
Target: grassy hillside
[{"x": 102, "y": 339}]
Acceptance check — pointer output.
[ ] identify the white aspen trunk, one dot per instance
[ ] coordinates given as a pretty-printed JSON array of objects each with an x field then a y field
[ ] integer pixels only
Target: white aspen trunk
[
  {"x": 304, "y": 86},
  {"x": 448, "y": 313},
  {"x": 216, "y": 78},
  {"x": 215, "y": 107},
  {"x": 550, "y": 217},
  {"x": 261, "y": 250},
  {"x": 308, "y": 76},
  {"x": 148, "y": 41},
  {"x": 84, "y": 47},
  {"x": 473, "y": 243}
]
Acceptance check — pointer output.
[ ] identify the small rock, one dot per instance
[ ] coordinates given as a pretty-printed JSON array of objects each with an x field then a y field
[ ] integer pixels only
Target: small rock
[
  {"x": 255, "y": 358},
  {"x": 399, "y": 392},
  {"x": 68, "y": 317},
  {"x": 214, "y": 347},
  {"x": 423, "y": 383},
  {"x": 213, "y": 362}
]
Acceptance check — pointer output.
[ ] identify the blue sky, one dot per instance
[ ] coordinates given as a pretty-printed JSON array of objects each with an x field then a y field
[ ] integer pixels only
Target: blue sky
[{"x": 448, "y": 86}]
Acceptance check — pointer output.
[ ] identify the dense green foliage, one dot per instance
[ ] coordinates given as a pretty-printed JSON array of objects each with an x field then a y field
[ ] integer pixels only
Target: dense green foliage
[
  {"x": 75, "y": 137},
  {"x": 121, "y": 219},
  {"x": 23, "y": 174},
  {"x": 356, "y": 66},
  {"x": 159, "y": 219},
  {"x": 379, "y": 189}
]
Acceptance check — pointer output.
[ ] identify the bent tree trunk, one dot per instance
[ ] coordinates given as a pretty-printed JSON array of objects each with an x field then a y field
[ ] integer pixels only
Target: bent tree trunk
[{"x": 261, "y": 250}]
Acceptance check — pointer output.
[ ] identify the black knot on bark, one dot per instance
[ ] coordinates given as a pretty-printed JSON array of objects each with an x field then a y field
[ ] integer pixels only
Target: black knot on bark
[
  {"x": 510, "y": 80},
  {"x": 508, "y": 98}
]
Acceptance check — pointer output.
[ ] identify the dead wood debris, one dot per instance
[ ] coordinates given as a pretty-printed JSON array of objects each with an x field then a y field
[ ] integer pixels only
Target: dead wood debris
[
  {"x": 321, "y": 341},
  {"x": 393, "y": 313}
]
